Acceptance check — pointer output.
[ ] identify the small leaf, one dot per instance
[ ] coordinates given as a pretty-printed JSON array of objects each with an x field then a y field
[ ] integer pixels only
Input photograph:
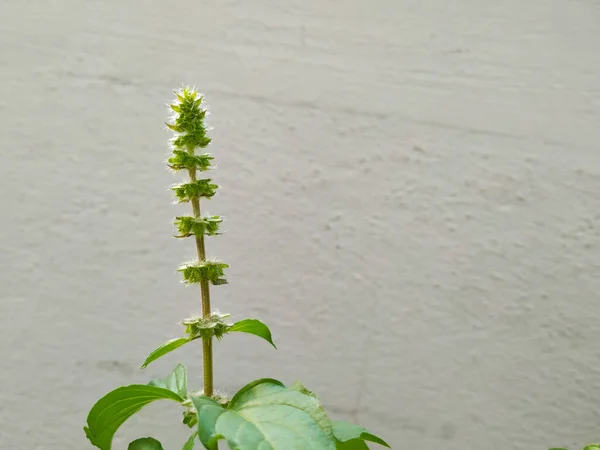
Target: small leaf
[
  {"x": 145, "y": 444},
  {"x": 173, "y": 127},
  {"x": 346, "y": 431},
  {"x": 112, "y": 410},
  {"x": 253, "y": 326},
  {"x": 163, "y": 349},
  {"x": 265, "y": 415},
  {"x": 189, "y": 445},
  {"x": 176, "y": 381}
]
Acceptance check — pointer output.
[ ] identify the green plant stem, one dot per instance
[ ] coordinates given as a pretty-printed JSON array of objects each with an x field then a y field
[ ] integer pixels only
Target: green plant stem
[{"x": 207, "y": 358}]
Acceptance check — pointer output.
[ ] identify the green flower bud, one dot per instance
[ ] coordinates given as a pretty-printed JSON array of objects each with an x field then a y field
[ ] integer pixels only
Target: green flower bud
[
  {"x": 203, "y": 327},
  {"x": 188, "y": 120},
  {"x": 195, "y": 272},
  {"x": 197, "y": 226},
  {"x": 194, "y": 189},
  {"x": 184, "y": 160}
]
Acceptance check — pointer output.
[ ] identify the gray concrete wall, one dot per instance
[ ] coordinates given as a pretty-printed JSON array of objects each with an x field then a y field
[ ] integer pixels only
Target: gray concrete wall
[{"x": 411, "y": 190}]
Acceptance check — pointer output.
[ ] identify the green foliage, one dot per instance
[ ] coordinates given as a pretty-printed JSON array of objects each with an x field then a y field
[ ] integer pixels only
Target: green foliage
[
  {"x": 176, "y": 381},
  {"x": 186, "y": 192},
  {"x": 197, "y": 226},
  {"x": 147, "y": 443},
  {"x": 197, "y": 327},
  {"x": 206, "y": 327},
  {"x": 164, "y": 348},
  {"x": 189, "y": 120},
  {"x": 112, "y": 410},
  {"x": 198, "y": 271},
  {"x": 354, "y": 444},
  {"x": 182, "y": 159},
  {"x": 351, "y": 435},
  {"x": 253, "y": 326},
  {"x": 265, "y": 415},
  {"x": 189, "y": 445}
]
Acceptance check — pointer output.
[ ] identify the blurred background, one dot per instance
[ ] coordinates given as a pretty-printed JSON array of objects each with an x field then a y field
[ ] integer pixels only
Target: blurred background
[{"x": 411, "y": 200}]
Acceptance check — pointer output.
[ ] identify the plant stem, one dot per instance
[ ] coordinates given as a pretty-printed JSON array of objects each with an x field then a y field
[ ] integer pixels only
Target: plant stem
[{"x": 207, "y": 358}]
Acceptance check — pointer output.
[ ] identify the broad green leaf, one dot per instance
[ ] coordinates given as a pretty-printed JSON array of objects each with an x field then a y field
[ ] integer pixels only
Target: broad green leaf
[
  {"x": 253, "y": 326},
  {"x": 175, "y": 382},
  {"x": 164, "y": 348},
  {"x": 112, "y": 410},
  {"x": 352, "y": 444},
  {"x": 145, "y": 444},
  {"x": 592, "y": 447},
  {"x": 346, "y": 431},
  {"x": 189, "y": 445},
  {"x": 265, "y": 415}
]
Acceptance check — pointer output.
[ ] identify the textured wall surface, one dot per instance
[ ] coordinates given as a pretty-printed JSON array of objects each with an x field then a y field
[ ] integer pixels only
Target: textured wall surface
[{"x": 412, "y": 200}]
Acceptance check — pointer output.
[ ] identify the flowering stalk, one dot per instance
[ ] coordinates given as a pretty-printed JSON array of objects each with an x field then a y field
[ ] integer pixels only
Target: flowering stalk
[
  {"x": 190, "y": 134},
  {"x": 265, "y": 414}
]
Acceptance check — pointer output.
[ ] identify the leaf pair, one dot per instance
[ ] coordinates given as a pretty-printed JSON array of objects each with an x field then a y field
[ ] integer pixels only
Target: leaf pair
[
  {"x": 263, "y": 415},
  {"x": 250, "y": 326}
]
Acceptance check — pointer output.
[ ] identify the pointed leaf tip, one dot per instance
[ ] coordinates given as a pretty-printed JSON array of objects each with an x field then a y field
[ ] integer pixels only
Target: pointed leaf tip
[
  {"x": 189, "y": 445},
  {"x": 347, "y": 432},
  {"x": 163, "y": 349},
  {"x": 176, "y": 382},
  {"x": 254, "y": 326}
]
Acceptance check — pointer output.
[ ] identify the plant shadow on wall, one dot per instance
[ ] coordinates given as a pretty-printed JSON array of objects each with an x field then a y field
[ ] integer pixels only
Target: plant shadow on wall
[{"x": 263, "y": 415}]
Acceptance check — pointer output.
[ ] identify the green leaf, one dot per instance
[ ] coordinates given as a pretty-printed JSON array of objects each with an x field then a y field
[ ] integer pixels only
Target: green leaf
[
  {"x": 176, "y": 381},
  {"x": 346, "y": 431},
  {"x": 189, "y": 445},
  {"x": 352, "y": 444},
  {"x": 163, "y": 349},
  {"x": 298, "y": 386},
  {"x": 145, "y": 444},
  {"x": 265, "y": 415},
  {"x": 112, "y": 410},
  {"x": 592, "y": 447},
  {"x": 253, "y": 326}
]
